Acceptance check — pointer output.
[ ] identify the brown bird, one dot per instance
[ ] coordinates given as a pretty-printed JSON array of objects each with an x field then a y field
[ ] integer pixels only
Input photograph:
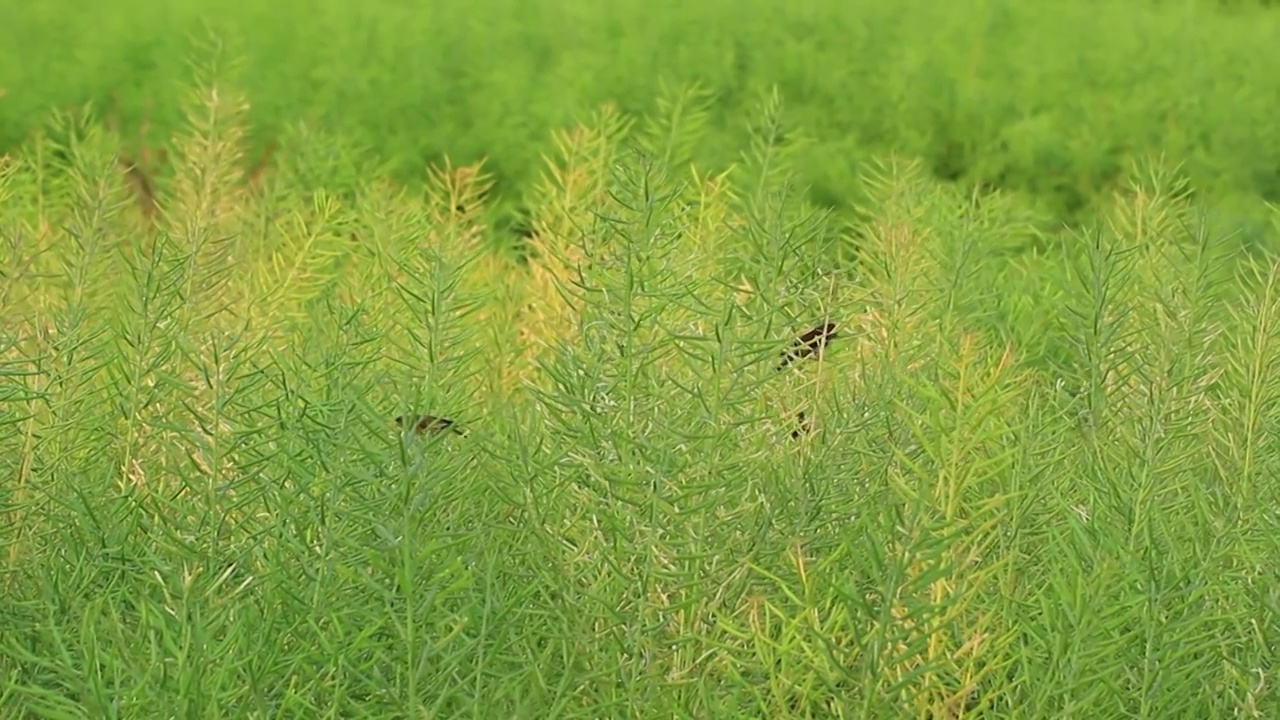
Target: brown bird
[
  {"x": 808, "y": 343},
  {"x": 431, "y": 424}
]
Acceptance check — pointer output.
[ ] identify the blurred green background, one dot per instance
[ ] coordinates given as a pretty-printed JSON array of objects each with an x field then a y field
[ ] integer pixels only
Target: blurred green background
[{"x": 1050, "y": 100}]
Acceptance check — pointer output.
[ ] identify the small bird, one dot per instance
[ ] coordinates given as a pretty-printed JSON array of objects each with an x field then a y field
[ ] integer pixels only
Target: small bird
[
  {"x": 804, "y": 426},
  {"x": 431, "y": 424},
  {"x": 808, "y": 343}
]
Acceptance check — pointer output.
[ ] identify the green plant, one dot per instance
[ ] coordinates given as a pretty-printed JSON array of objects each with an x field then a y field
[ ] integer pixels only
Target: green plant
[{"x": 207, "y": 505}]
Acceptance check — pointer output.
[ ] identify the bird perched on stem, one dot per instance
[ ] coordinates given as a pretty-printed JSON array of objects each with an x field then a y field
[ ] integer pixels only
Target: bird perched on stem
[
  {"x": 431, "y": 425},
  {"x": 808, "y": 344},
  {"x": 804, "y": 426}
]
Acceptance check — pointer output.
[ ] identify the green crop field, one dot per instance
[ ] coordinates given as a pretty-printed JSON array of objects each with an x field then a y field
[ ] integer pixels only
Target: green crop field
[{"x": 807, "y": 360}]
